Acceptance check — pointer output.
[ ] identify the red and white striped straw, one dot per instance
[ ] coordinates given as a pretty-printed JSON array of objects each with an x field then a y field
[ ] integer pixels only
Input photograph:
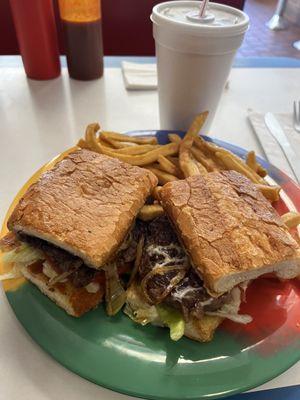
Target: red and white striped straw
[{"x": 203, "y": 8}]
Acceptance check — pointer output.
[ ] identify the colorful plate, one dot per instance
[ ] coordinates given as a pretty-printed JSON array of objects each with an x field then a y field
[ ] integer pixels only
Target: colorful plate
[{"x": 144, "y": 362}]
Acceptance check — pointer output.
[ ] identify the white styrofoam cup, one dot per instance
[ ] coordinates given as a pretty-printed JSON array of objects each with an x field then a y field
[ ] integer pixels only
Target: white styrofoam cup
[{"x": 194, "y": 58}]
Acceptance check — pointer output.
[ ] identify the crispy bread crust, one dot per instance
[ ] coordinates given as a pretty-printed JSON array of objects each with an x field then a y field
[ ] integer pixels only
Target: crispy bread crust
[
  {"x": 86, "y": 205},
  {"x": 230, "y": 231},
  {"x": 75, "y": 301},
  {"x": 202, "y": 329}
]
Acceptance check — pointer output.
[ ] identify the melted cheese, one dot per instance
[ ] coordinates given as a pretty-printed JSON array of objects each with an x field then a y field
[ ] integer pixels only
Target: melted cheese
[
  {"x": 180, "y": 294},
  {"x": 153, "y": 250}
]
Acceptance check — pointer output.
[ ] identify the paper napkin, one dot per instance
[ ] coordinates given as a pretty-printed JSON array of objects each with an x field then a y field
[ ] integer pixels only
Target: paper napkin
[
  {"x": 272, "y": 150},
  {"x": 139, "y": 76}
]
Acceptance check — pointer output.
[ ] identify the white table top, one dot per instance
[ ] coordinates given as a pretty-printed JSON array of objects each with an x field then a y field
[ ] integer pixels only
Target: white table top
[{"x": 41, "y": 119}]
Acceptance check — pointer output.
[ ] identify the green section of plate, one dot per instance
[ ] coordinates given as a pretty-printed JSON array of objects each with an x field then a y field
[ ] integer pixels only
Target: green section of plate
[{"x": 143, "y": 361}]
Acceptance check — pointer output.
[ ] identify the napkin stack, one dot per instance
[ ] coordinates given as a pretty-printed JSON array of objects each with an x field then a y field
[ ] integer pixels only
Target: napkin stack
[
  {"x": 139, "y": 76},
  {"x": 271, "y": 148}
]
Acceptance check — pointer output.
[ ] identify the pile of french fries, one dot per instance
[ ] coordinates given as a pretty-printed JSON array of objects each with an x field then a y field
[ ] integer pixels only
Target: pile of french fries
[{"x": 179, "y": 159}]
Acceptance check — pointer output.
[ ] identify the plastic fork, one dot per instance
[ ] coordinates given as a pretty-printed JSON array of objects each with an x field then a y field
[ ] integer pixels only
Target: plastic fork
[{"x": 297, "y": 116}]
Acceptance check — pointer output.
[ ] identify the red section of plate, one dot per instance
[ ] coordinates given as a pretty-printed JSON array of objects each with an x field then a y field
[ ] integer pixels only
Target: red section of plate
[{"x": 274, "y": 306}]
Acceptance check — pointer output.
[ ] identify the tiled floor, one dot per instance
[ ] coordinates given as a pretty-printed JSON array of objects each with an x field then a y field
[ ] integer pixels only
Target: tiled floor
[{"x": 259, "y": 40}]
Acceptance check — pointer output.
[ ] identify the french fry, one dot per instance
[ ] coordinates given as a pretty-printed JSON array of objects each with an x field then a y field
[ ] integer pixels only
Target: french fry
[
  {"x": 261, "y": 171},
  {"x": 212, "y": 149},
  {"x": 207, "y": 162},
  {"x": 197, "y": 124},
  {"x": 162, "y": 176},
  {"x": 156, "y": 191},
  {"x": 150, "y": 157},
  {"x": 209, "y": 150},
  {"x": 137, "y": 149},
  {"x": 251, "y": 160},
  {"x": 140, "y": 159},
  {"x": 163, "y": 161},
  {"x": 231, "y": 162},
  {"x": 125, "y": 138},
  {"x": 174, "y": 138},
  {"x": 201, "y": 168},
  {"x": 168, "y": 166},
  {"x": 174, "y": 160},
  {"x": 153, "y": 165},
  {"x": 253, "y": 164},
  {"x": 206, "y": 146},
  {"x": 90, "y": 137},
  {"x": 270, "y": 192},
  {"x": 106, "y": 144},
  {"x": 82, "y": 144},
  {"x": 291, "y": 219},
  {"x": 187, "y": 165},
  {"x": 255, "y": 175},
  {"x": 116, "y": 144},
  {"x": 149, "y": 212}
]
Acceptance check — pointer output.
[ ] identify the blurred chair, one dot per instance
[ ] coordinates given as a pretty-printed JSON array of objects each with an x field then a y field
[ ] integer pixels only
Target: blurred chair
[{"x": 127, "y": 28}]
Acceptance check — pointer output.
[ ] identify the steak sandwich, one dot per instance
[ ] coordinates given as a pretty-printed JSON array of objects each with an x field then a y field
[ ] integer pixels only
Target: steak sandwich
[
  {"x": 227, "y": 234},
  {"x": 73, "y": 231}
]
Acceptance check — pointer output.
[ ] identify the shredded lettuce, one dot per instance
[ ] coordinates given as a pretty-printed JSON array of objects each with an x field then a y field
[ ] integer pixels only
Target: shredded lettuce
[
  {"x": 173, "y": 319},
  {"x": 239, "y": 318},
  {"x": 138, "y": 309},
  {"x": 230, "y": 310},
  {"x": 160, "y": 315},
  {"x": 23, "y": 254}
]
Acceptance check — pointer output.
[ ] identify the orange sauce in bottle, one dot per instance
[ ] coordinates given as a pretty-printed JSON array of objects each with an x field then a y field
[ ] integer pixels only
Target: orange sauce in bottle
[{"x": 82, "y": 27}]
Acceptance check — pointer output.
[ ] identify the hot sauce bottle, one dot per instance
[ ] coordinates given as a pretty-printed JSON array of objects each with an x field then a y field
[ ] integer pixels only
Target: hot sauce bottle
[
  {"x": 82, "y": 28},
  {"x": 36, "y": 31}
]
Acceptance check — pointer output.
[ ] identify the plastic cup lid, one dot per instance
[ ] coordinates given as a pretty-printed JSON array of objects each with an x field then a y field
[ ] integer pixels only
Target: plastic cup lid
[{"x": 219, "y": 20}]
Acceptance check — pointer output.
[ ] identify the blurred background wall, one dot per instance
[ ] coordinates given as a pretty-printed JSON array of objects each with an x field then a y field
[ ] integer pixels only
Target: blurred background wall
[{"x": 127, "y": 28}]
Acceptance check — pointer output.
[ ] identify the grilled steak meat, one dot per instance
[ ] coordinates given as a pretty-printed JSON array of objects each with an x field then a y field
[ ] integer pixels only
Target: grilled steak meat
[
  {"x": 62, "y": 261},
  {"x": 166, "y": 276},
  {"x": 80, "y": 274},
  {"x": 163, "y": 263},
  {"x": 192, "y": 299},
  {"x": 128, "y": 250}
]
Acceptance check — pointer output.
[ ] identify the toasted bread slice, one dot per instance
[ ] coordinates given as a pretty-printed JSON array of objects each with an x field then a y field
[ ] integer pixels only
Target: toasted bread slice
[
  {"x": 86, "y": 205},
  {"x": 230, "y": 231},
  {"x": 202, "y": 329},
  {"x": 75, "y": 301}
]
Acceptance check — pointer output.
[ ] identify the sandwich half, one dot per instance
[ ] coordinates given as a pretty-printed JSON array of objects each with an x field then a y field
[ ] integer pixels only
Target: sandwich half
[
  {"x": 231, "y": 233},
  {"x": 227, "y": 234},
  {"x": 74, "y": 228},
  {"x": 165, "y": 289}
]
